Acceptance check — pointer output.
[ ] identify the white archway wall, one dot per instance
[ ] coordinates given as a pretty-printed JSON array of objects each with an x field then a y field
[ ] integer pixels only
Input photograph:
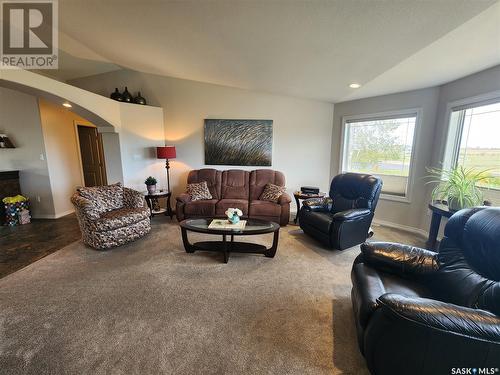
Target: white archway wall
[{"x": 130, "y": 135}]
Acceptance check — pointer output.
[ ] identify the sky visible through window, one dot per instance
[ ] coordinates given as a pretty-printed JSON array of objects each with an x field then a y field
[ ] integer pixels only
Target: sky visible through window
[{"x": 480, "y": 141}]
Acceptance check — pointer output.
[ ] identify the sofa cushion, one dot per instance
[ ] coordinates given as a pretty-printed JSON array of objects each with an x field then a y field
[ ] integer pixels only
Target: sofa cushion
[
  {"x": 211, "y": 176},
  {"x": 321, "y": 221},
  {"x": 272, "y": 193},
  {"x": 105, "y": 198},
  {"x": 224, "y": 204},
  {"x": 260, "y": 178},
  {"x": 198, "y": 191},
  {"x": 204, "y": 208},
  {"x": 120, "y": 218},
  {"x": 264, "y": 208},
  {"x": 235, "y": 184}
]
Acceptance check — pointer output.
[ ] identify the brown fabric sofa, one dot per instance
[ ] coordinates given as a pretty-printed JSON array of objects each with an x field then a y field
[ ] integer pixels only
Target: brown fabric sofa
[{"x": 238, "y": 189}]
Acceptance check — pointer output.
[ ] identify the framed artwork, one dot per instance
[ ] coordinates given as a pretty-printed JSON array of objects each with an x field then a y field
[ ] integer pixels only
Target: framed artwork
[{"x": 238, "y": 142}]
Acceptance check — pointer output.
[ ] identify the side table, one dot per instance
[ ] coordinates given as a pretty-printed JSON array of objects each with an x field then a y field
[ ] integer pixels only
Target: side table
[
  {"x": 298, "y": 195},
  {"x": 438, "y": 211},
  {"x": 154, "y": 206}
]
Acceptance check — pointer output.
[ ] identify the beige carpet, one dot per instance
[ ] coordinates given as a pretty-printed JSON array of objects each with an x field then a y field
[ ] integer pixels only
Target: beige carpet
[{"x": 150, "y": 308}]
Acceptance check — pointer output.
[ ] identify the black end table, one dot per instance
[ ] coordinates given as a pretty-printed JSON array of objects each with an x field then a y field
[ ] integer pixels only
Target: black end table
[
  {"x": 298, "y": 195},
  {"x": 438, "y": 211},
  {"x": 253, "y": 227},
  {"x": 154, "y": 205}
]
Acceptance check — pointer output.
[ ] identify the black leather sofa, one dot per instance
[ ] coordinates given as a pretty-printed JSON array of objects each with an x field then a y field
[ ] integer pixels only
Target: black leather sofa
[
  {"x": 421, "y": 312},
  {"x": 344, "y": 221}
]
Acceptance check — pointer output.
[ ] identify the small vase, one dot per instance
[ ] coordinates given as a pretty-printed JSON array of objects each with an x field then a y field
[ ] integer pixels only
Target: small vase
[
  {"x": 139, "y": 99},
  {"x": 116, "y": 95},
  {"x": 126, "y": 96},
  {"x": 151, "y": 189},
  {"x": 235, "y": 219}
]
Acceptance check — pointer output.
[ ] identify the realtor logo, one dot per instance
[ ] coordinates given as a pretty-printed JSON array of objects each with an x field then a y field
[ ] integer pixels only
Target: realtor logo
[{"x": 29, "y": 34}]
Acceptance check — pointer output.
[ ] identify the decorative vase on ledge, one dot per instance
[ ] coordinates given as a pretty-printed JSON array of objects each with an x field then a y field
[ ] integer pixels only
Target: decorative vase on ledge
[
  {"x": 126, "y": 96},
  {"x": 139, "y": 99},
  {"x": 116, "y": 95}
]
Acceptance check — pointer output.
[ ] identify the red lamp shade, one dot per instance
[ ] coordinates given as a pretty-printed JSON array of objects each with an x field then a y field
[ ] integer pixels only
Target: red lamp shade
[{"x": 165, "y": 152}]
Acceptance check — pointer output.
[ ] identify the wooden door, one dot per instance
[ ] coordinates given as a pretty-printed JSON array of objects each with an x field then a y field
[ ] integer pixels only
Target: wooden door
[{"x": 91, "y": 150}]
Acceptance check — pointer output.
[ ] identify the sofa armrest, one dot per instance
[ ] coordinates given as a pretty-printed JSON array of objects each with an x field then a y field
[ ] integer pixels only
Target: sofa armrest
[
  {"x": 318, "y": 204},
  {"x": 85, "y": 207},
  {"x": 433, "y": 314},
  {"x": 399, "y": 259},
  {"x": 284, "y": 199},
  {"x": 133, "y": 198},
  {"x": 183, "y": 198},
  {"x": 354, "y": 214}
]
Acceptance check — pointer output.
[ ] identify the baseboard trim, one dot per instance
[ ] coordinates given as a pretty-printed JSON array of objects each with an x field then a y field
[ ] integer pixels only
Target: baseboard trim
[
  {"x": 53, "y": 216},
  {"x": 406, "y": 228}
]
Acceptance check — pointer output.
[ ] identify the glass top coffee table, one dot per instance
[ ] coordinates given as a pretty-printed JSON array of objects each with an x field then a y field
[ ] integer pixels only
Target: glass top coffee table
[{"x": 229, "y": 245}]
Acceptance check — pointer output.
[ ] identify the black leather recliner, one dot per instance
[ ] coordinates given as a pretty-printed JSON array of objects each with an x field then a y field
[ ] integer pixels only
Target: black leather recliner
[
  {"x": 344, "y": 222},
  {"x": 421, "y": 312}
]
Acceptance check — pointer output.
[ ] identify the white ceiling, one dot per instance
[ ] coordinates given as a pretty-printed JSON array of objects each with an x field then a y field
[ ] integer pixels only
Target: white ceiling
[{"x": 310, "y": 49}]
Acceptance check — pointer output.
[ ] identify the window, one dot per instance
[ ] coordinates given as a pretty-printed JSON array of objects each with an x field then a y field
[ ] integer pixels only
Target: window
[
  {"x": 474, "y": 140},
  {"x": 381, "y": 146}
]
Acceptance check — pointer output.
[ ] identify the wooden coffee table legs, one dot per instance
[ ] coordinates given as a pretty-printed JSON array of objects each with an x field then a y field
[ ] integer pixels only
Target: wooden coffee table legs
[{"x": 227, "y": 247}]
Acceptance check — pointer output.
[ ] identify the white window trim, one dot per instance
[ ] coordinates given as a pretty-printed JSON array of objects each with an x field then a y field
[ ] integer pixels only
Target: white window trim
[
  {"x": 416, "y": 136},
  {"x": 472, "y": 101}
]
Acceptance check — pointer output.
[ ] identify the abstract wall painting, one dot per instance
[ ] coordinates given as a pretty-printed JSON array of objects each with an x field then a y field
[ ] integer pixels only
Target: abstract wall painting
[{"x": 238, "y": 142}]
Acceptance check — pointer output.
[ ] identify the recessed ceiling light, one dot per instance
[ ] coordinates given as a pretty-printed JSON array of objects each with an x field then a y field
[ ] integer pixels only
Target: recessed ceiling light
[
  {"x": 67, "y": 105},
  {"x": 354, "y": 85}
]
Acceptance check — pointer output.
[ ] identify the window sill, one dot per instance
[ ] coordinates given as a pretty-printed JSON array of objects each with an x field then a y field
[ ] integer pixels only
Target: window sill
[{"x": 395, "y": 198}]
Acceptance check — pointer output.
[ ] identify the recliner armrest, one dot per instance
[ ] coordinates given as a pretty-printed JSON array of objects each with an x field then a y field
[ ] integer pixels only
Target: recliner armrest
[
  {"x": 459, "y": 320},
  {"x": 354, "y": 214},
  {"x": 318, "y": 204},
  {"x": 183, "y": 198},
  {"x": 399, "y": 259},
  {"x": 284, "y": 199}
]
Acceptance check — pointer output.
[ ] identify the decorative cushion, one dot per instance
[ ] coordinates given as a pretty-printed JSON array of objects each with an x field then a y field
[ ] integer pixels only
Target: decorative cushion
[
  {"x": 199, "y": 191},
  {"x": 105, "y": 198},
  {"x": 272, "y": 193}
]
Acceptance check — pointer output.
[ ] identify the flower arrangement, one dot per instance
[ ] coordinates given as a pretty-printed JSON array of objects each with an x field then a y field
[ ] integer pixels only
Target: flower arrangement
[{"x": 233, "y": 215}]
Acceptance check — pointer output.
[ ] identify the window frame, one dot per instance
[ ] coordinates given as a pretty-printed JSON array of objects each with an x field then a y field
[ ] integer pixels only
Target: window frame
[
  {"x": 417, "y": 112},
  {"x": 457, "y": 105}
]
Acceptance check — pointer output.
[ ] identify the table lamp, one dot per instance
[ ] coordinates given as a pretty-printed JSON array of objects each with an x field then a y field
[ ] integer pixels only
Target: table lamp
[{"x": 166, "y": 152}]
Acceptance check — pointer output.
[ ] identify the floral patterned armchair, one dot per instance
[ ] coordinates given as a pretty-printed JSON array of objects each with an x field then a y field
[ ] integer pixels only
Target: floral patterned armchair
[{"x": 111, "y": 216}]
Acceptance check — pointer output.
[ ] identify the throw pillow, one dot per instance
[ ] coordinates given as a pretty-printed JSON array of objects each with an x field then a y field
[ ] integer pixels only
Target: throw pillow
[
  {"x": 105, "y": 198},
  {"x": 199, "y": 191},
  {"x": 272, "y": 193}
]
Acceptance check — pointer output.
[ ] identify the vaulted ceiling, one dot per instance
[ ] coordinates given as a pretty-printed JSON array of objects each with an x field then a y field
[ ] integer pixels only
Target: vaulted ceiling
[{"x": 311, "y": 49}]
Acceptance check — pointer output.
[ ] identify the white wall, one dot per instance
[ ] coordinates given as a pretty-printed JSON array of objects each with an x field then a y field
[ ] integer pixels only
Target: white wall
[
  {"x": 302, "y": 128},
  {"x": 142, "y": 130},
  {"x": 63, "y": 159},
  {"x": 20, "y": 120}
]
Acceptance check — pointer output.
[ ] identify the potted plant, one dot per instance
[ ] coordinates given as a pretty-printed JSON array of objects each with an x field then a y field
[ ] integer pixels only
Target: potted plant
[
  {"x": 151, "y": 184},
  {"x": 233, "y": 215},
  {"x": 458, "y": 186}
]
